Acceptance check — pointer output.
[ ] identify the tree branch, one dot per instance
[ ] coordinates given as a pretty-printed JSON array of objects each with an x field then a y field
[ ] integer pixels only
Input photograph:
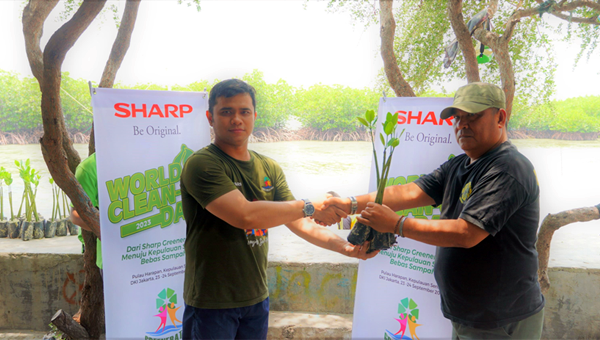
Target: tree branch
[
  {"x": 551, "y": 224},
  {"x": 117, "y": 54},
  {"x": 463, "y": 36},
  {"x": 92, "y": 295},
  {"x": 121, "y": 44},
  {"x": 57, "y": 147},
  {"x": 388, "y": 29},
  {"x": 65, "y": 323},
  {"x": 34, "y": 15},
  {"x": 566, "y": 7}
]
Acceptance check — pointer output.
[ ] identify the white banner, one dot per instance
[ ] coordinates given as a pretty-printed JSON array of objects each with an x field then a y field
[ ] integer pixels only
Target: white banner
[
  {"x": 142, "y": 141},
  {"x": 396, "y": 294}
]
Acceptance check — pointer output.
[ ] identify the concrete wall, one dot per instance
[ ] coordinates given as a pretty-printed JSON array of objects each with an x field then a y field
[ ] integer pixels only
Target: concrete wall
[
  {"x": 34, "y": 286},
  {"x": 573, "y": 304},
  {"x": 312, "y": 287}
]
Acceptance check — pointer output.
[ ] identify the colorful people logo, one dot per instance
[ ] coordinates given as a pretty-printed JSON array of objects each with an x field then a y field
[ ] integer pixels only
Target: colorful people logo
[
  {"x": 267, "y": 183},
  {"x": 409, "y": 314},
  {"x": 166, "y": 304}
]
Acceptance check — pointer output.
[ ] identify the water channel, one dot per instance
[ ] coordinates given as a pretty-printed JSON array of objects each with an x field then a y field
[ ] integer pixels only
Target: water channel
[{"x": 567, "y": 172}]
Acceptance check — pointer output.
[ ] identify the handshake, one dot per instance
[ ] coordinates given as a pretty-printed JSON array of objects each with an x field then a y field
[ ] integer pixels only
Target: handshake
[{"x": 331, "y": 210}]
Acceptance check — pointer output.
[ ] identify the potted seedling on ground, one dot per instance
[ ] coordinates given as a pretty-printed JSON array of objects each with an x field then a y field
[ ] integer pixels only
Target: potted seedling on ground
[
  {"x": 361, "y": 233},
  {"x": 13, "y": 225},
  {"x": 3, "y": 221},
  {"x": 39, "y": 221},
  {"x": 58, "y": 214},
  {"x": 33, "y": 225},
  {"x": 51, "y": 223}
]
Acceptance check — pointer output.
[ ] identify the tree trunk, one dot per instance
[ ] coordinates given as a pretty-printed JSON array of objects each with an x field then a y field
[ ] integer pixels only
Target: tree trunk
[
  {"x": 57, "y": 148},
  {"x": 92, "y": 295},
  {"x": 507, "y": 74},
  {"x": 388, "y": 29},
  {"x": 552, "y": 223},
  {"x": 463, "y": 36},
  {"x": 34, "y": 15}
]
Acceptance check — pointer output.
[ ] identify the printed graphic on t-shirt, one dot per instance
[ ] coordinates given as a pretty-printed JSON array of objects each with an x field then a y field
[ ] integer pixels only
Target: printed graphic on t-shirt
[
  {"x": 256, "y": 237},
  {"x": 267, "y": 185},
  {"x": 466, "y": 193}
]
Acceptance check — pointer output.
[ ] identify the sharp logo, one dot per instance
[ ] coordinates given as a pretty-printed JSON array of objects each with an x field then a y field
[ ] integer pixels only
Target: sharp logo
[
  {"x": 125, "y": 110},
  {"x": 421, "y": 118}
]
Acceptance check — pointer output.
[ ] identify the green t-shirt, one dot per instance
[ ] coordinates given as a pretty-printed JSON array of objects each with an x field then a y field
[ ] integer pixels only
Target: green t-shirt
[
  {"x": 226, "y": 267},
  {"x": 87, "y": 176}
]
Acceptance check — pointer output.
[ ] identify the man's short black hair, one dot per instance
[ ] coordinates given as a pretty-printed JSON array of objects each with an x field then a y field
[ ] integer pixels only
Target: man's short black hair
[{"x": 230, "y": 88}]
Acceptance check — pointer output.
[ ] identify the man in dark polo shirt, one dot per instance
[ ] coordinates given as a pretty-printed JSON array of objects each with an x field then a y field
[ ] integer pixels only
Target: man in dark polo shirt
[{"x": 486, "y": 262}]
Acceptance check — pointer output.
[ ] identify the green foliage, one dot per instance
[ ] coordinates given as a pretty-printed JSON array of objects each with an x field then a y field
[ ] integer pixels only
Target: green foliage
[
  {"x": 76, "y": 103},
  {"x": 19, "y": 103},
  {"x": 581, "y": 114},
  {"x": 320, "y": 107},
  {"x": 423, "y": 31},
  {"x": 325, "y": 107},
  {"x": 274, "y": 102},
  {"x": 20, "y": 99}
]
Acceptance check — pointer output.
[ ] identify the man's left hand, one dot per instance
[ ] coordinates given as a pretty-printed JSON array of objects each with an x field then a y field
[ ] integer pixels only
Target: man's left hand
[
  {"x": 359, "y": 251},
  {"x": 379, "y": 217}
]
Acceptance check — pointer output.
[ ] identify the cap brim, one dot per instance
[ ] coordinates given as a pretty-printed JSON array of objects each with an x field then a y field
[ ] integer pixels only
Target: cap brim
[{"x": 469, "y": 107}]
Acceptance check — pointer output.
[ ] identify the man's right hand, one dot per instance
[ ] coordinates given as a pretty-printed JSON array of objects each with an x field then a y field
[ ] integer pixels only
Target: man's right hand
[{"x": 326, "y": 215}]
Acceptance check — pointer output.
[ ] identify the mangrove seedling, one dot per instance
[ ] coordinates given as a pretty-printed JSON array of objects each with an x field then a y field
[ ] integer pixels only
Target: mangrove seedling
[
  {"x": 30, "y": 176},
  {"x": 5, "y": 177},
  {"x": 8, "y": 180},
  {"x": 55, "y": 206},
  {"x": 361, "y": 233},
  {"x": 2, "y": 172}
]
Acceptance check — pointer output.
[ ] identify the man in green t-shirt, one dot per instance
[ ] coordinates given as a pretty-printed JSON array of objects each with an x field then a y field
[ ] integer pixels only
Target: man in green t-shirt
[
  {"x": 87, "y": 176},
  {"x": 231, "y": 196}
]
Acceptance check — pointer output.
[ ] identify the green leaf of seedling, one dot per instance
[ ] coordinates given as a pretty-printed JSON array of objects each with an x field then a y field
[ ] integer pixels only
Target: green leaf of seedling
[
  {"x": 395, "y": 142},
  {"x": 388, "y": 127},
  {"x": 51, "y": 180},
  {"x": 370, "y": 115},
  {"x": 382, "y": 139},
  {"x": 388, "y": 117},
  {"x": 395, "y": 120},
  {"x": 27, "y": 162},
  {"x": 17, "y": 163},
  {"x": 363, "y": 121},
  {"x": 401, "y": 133}
]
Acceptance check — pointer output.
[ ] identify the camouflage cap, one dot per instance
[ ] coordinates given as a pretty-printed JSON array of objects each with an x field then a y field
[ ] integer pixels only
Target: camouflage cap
[{"x": 476, "y": 97}]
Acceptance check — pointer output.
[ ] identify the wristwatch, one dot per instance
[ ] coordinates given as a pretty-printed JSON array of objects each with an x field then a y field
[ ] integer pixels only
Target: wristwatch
[{"x": 309, "y": 208}]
